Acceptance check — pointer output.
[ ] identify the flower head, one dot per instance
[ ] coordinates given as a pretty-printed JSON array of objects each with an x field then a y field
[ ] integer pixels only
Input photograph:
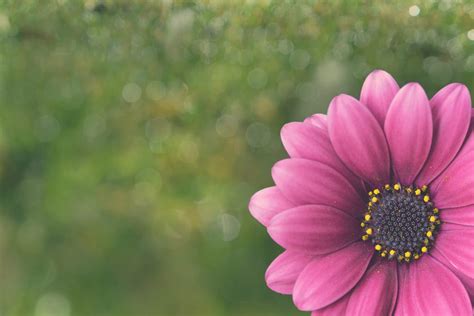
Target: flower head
[{"x": 375, "y": 206}]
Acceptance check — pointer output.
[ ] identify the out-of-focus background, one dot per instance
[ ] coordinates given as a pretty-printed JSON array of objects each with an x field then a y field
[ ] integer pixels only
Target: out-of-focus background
[{"x": 132, "y": 134}]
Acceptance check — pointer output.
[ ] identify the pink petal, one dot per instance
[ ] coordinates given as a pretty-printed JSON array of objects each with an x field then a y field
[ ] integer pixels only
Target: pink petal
[
  {"x": 432, "y": 289},
  {"x": 336, "y": 308},
  {"x": 401, "y": 307},
  {"x": 328, "y": 278},
  {"x": 459, "y": 215},
  {"x": 457, "y": 247},
  {"x": 318, "y": 229},
  {"x": 409, "y": 129},
  {"x": 454, "y": 187},
  {"x": 376, "y": 293},
  {"x": 451, "y": 108},
  {"x": 309, "y": 142},
  {"x": 310, "y": 182},
  {"x": 358, "y": 139},
  {"x": 468, "y": 282},
  {"x": 377, "y": 93},
  {"x": 318, "y": 120},
  {"x": 267, "y": 203},
  {"x": 282, "y": 273}
]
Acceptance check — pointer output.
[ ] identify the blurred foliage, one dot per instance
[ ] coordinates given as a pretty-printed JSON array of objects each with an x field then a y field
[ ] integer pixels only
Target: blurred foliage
[{"x": 132, "y": 134}]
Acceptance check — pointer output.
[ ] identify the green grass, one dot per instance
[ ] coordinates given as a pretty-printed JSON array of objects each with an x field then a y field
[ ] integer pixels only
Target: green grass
[{"x": 132, "y": 134}]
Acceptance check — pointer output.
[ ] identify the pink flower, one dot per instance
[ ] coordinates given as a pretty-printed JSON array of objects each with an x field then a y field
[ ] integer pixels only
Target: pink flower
[{"x": 375, "y": 206}]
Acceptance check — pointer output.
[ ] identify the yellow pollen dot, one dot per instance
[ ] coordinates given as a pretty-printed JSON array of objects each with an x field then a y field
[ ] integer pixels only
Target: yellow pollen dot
[
  {"x": 426, "y": 198},
  {"x": 407, "y": 254},
  {"x": 367, "y": 217},
  {"x": 426, "y": 241},
  {"x": 435, "y": 210},
  {"x": 378, "y": 247},
  {"x": 370, "y": 203},
  {"x": 416, "y": 256},
  {"x": 432, "y": 219},
  {"x": 429, "y": 233},
  {"x": 387, "y": 187},
  {"x": 365, "y": 237},
  {"x": 374, "y": 199},
  {"x": 376, "y": 191},
  {"x": 362, "y": 224},
  {"x": 424, "y": 249},
  {"x": 383, "y": 254},
  {"x": 409, "y": 190},
  {"x": 392, "y": 252},
  {"x": 370, "y": 193},
  {"x": 369, "y": 231},
  {"x": 417, "y": 192},
  {"x": 424, "y": 188},
  {"x": 396, "y": 186}
]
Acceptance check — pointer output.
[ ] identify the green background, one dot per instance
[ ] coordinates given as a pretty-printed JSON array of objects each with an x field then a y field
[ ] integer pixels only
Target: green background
[{"x": 133, "y": 133}]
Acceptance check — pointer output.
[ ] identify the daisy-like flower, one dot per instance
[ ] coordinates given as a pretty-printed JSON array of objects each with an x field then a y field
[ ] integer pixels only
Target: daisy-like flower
[{"x": 375, "y": 206}]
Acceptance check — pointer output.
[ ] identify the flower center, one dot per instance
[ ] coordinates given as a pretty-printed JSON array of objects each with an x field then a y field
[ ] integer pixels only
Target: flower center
[{"x": 401, "y": 222}]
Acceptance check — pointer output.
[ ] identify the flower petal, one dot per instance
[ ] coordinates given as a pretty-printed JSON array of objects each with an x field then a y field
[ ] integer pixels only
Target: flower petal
[
  {"x": 318, "y": 120},
  {"x": 401, "y": 306},
  {"x": 376, "y": 293},
  {"x": 267, "y": 203},
  {"x": 310, "y": 182},
  {"x": 459, "y": 215},
  {"x": 409, "y": 129},
  {"x": 468, "y": 282},
  {"x": 309, "y": 142},
  {"x": 451, "y": 108},
  {"x": 328, "y": 278},
  {"x": 282, "y": 273},
  {"x": 336, "y": 308},
  {"x": 454, "y": 187},
  {"x": 432, "y": 289},
  {"x": 457, "y": 247},
  {"x": 358, "y": 139},
  {"x": 317, "y": 229},
  {"x": 377, "y": 93}
]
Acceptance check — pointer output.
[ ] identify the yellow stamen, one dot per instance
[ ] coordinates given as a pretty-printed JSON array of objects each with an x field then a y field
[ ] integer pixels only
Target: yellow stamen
[
  {"x": 424, "y": 188},
  {"x": 374, "y": 199},
  {"x": 362, "y": 224},
  {"x": 435, "y": 210},
  {"x": 365, "y": 237},
  {"x": 369, "y": 231},
  {"x": 432, "y": 219},
  {"x": 426, "y": 198},
  {"x": 378, "y": 247},
  {"x": 407, "y": 254},
  {"x": 417, "y": 192},
  {"x": 367, "y": 217},
  {"x": 376, "y": 191},
  {"x": 424, "y": 249},
  {"x": 370, "y": 193},
  {"x": 409, "y": 190},
  {"x": 396, "y": 186},
  {"x": 392, "y": 252},
  {"x": 429, "y": 233},
  {"x": 387, "y": 187},
  {"x": 383, "y": 254}
]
